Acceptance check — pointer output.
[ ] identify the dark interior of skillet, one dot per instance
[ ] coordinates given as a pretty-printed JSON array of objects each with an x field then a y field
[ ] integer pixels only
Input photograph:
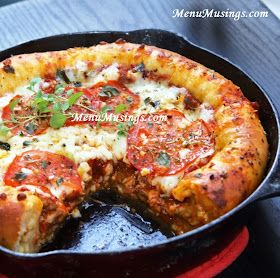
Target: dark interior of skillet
[{"x": 107, "y": 222}]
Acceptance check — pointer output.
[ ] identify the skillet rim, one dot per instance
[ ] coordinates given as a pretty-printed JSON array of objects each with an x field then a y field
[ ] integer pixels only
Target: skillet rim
[{"x": 175, "y": 239}]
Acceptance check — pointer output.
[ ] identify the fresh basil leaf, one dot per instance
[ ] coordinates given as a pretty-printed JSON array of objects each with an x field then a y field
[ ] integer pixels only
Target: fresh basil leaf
[
  {"x": 108, "y": 91},
  {"x": 65, "y": 106},
  {"x": 69, "y": 92},
  {"x": 59, "y": 89},
  {"x": 74, "y": 98},
  {"x": 13, "y": 103},
  {"x": 3, "y": 130},
  {"x": 57, "y": 120},
  {"x": 106, "y": 109},
  {"x": 119, "y": 108},
  {"x": 130, "y": 123},
  {"x": 57, "y": 107},
  {"x": 33, "y": 82},
  {"x": 39, "y": 94},
  {"x": 121, "y": 129},
  {"x": 13, "y": 118},
  {"x": 163, "y": 159},
  {"x": 49, "y": 97},
  {"x": 42, "y": 106}
]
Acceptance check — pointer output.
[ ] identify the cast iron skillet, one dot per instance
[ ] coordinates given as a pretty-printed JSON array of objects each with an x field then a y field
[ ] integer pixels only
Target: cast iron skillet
[{"x": 112, "y": 240}]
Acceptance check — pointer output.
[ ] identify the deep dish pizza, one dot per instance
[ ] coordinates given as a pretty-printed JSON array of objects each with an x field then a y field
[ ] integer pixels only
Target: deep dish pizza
[{"x": 141, "y": 121}]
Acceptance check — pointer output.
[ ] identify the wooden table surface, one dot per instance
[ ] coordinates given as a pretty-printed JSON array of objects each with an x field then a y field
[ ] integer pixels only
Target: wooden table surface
[{"x": 251, "y": 43}]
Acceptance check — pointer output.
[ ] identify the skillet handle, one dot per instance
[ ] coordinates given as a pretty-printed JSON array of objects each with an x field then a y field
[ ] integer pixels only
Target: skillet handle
[{"x": 269, "y": 190}]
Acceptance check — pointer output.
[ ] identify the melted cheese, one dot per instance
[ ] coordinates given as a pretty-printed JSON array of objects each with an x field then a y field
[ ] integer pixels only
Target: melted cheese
[
  {"x": 82, "y": 143},
  {"x": 167, "y": 183}
]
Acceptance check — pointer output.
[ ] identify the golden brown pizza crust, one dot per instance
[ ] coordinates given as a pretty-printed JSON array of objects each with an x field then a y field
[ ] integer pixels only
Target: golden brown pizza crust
[
  {"x": 19, "y": 218},
  {"x": 241, "y": 154}
]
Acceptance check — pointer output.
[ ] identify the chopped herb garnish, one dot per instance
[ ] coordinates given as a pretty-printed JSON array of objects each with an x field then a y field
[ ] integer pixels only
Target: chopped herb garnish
[
  {"x": 77, "y": 84},
  {"x": 44, "y": 164},
  {"x": 3, "y": 130},
  {"x": 140, "y": 67},
  {"x": 121, "y": 129},
  {"x": 163, "y": 159},
  {"x": 27, "y": 143},
  {"x": 108, "y": 91},
  {"x": 13, "y": 118},
  {"x": 59, "y": 89},
  {"x": 5, "y": 146},
  {"x": 147, "y": 100},
  {"x": 130, "y": 123},
  {"x": 30, "y": 128},
  {"x": 69, "y": 92},
  {"x": 20, "y": 176},
  {"x": 106, "y": 109},
  {"x": 13, "y": 103},
  {"x": 129, "y": 99},
  {"x": 155, "y": 104},
  {"x": 57, "y": 120},
  {"x": 32, "y": 84},
  {"x": 62, "y": 75},
  {"x": 59, "y": 181},
  {"x": 74, "y": 98},
  {"x": 150, "y": 124},
  {"x": 119, "y": 108},
  {"x": 65, "y": 106}
]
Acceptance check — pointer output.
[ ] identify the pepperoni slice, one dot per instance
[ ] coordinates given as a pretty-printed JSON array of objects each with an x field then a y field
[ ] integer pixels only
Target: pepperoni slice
[
  {"x": 56, "y": 172},
  {"x": 164, "y": 148},
  {"x": 113, "y": 93},
  {"x": 86, "y": 100},
  {"x": 22, "y": 110}
]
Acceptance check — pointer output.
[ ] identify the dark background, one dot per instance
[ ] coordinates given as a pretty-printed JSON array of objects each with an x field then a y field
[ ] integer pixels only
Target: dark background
[{"x": 251, "y": 43}]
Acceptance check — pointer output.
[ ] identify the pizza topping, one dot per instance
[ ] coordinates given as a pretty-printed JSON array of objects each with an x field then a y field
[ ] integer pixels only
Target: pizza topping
[
  {"x": 157, "y": 147},
  {"x": 21, "y": 196},
  {"x": 3, "y": 196},
  {"x": 108, "y": 91},
  {"x": 5, "y": 146},
  {"x": 18, "y": 116},
  {"x": 114, "y": 94},
  {"x": 140, "y": 68},
  {"x": 8, "y": 66},
  {"x": 20, "y": 176},
  {"x": 54, "y": 105},
  {"x": 60, "y": 74},
  {"x": 163, "y": 159},
  {"x": 190, "y": 102},
  {"x": 48, "y": 169}
]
